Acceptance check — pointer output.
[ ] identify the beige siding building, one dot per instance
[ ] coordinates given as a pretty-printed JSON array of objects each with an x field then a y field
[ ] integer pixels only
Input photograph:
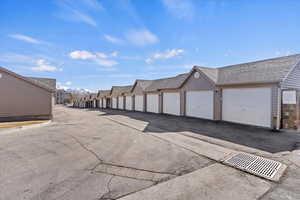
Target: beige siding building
[{"x": 22, "y": 98}]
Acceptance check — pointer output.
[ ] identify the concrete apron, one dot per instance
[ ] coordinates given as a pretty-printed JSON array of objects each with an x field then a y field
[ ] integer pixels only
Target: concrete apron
[
  {"x": 197, "y": 146},
  {"x": 216, "y": 182}
]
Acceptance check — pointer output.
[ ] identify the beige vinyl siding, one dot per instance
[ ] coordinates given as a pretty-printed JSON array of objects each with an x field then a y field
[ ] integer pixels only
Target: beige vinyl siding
[
  {"x": 20, "y": 98},
  {"x": 292, "y": 81}
]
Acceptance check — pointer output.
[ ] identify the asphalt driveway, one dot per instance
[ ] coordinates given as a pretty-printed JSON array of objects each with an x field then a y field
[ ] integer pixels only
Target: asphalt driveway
[
  {"x": 82, "y": 156},
  {"x": 107, "y": 154},
  {"x": 253, "y": 137}
]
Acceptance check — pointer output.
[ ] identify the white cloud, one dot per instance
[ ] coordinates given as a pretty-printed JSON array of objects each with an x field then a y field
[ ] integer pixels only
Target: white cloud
[
  {"x": 170, "y": 53},
  {"x": 141, "y": 37},
  {"x": 17, "y": 58},
  {"x": 42, "y": 66},
  {"x": 81, "y": 17},
  {"x": 283, "y": 53},
  {"x": 68, "y": 83},
  {"x": 82, "y": 55},
  {"x": 98, "y": 57},
  {"x": 25, "y": 38},
  {"x": 106, "y": 63},
  {"x": 114, "y": 54},
  {"x": 59, "y": 85},
  {"x": 182, "y": 9},
  {"x": 94, "y": 4},
  {"x": 76, "y": 11},
  {"x": 113, "y": 39}
]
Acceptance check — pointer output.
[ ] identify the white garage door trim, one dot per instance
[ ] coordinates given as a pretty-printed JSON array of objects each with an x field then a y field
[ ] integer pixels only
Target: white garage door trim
[
  {"x": 200, "y": 104},
  {"x": 121, "y": 103},
  {"x": 114, "y": 102},
  {"x": 139, "y": 103},
  {"x": 152, "y": 103},
  {"x": 248, "y": 106},
  {"x": 128, "y": 102},
  {"x": 171, "y": 103}
]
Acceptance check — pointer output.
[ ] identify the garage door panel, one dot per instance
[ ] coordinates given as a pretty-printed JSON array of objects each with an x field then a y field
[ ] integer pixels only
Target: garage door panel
[
  {"x": 200, "y": 104},
  {"x": 247, "y": 106},
  {"x": 128, "y": 103},
  {"x": 152, "y": 103},
  {"x": 114, "y": 103},
  {"x": 139, "y": 103},
  {"x": 171, "y": 103},
  {"x": 104, "y": 103},
  {"x": 121, "y": 103}
]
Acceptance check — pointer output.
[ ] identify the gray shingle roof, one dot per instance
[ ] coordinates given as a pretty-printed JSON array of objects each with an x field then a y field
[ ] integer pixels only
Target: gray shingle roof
[
  {"x": 211, "y": 73},
  {"x": 142, "y": 83},
  {"x": 92, "y": 96},
  {"x": 26, "y": 79},
  {"x": 167, "y": 83},
  {"x": 119, "y": 90},
  {"x": 103, "y": 93},
  {"x": 47, "y": 82},
  {"x": 264, "y": 71}
]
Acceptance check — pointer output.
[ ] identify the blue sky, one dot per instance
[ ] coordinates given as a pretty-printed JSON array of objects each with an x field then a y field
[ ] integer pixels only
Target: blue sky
[{"x": 94, "y": 44}]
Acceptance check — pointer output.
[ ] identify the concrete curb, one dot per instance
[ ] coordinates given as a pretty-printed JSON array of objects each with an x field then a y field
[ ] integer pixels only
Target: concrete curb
[{"x": 22, "y": 128}]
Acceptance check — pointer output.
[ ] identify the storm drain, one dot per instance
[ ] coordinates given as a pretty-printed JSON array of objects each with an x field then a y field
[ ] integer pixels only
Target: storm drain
[{"x": 254, "y": 164}]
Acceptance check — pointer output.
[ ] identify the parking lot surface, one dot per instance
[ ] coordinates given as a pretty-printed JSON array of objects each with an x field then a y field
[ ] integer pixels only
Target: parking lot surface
[{"x": 92, "y": 154}]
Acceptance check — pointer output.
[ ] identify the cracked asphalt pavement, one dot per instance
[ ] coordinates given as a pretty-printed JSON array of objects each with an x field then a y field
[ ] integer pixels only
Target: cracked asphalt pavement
[
  {"x": 82, "y": 155},
  {"x": 107, "y": 155}
]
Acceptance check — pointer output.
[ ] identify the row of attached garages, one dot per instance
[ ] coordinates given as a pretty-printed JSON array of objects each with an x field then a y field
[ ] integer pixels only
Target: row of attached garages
[{"x": 245, "y": 94}]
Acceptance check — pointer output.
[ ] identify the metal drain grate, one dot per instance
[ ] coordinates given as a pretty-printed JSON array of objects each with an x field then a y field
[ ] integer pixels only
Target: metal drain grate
[{"x": 254, "y": 164}]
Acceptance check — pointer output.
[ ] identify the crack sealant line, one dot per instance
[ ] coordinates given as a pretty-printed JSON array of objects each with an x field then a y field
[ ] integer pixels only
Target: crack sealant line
[
  {"x": 87, "y": 149},
  {"x": 108, "y": 188}
]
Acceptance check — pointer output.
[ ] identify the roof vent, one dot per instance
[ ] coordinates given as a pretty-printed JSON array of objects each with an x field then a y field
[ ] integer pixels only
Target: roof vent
[{"x": 196, "y": 75}]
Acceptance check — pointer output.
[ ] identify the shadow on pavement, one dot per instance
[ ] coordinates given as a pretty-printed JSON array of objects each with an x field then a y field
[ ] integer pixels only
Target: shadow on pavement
[{"x": 254, "y": 137}]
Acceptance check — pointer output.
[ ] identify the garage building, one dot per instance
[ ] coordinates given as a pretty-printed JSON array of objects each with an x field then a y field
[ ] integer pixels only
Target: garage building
[
  {"x": 104, "y": 98},
  {"x": 22, "y": 98},
  {"x": 139, "y": 96},
  {"x": 118, "y": 96},
  {"x": 252, "y": 92},
  {"x": 164, "y": 95},
  {"x": 201, "y": 97}
]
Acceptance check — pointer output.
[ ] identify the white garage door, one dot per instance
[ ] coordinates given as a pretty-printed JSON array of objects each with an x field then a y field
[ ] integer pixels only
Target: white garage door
[
  {"x": 152, "y": 103},
  {"x": 247, "y": 106},
  {"x": 200, "y": 104},
  {"x": 129, "y": 103},
  {"x": 100, "y": 103},
  {"x": 121, "y": 103},
  {"x": 171, "y": 103},
  {"x": 139, "y": 103},
  {"x": 104, "y": 103},
  {"x": 114, "y": 102}
]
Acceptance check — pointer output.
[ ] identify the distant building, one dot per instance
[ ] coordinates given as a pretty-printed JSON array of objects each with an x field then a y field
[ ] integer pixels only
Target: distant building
[{"x": 62, "y": 97}]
